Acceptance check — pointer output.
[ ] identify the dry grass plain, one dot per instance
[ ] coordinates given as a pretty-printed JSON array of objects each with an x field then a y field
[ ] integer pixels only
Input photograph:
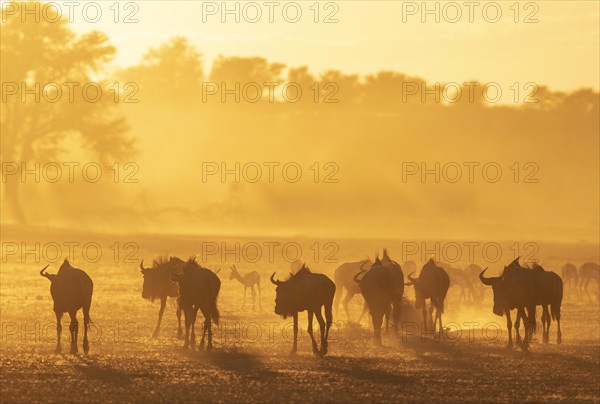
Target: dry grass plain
[{"x": 251, "y": 361}]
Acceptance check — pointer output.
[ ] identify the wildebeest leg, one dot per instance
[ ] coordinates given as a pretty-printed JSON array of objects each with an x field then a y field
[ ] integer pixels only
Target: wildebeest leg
[
  {"x": 295, "y": 346},
  {"x": 336, "y": 299},
  {"x": 58, "y": 330},
  {"x": 328, "y": 322},
  {"x": 396, "y": 313},
  {"x": 244, "y": 301},
  {"x": 530, "y": 322},
  {"x": 194, "y": 313},
  {"x": 208, "y": 327},
  {"x": 253, "y": 297},
  {"x": 364, "y": 311},
  {"x": 438, "y": 315},
  {"x": 310, "y": 332},
  {"x": 517, "y": 326},
  {"x": 163, "y": 303},
  {"x": 187, "y": 317},
  {"x": 345, "y": 304},
  {"x": 545, "y": 324},
  {"x": 259, "y": 296},
  {"x": 319, "y": 315},
  {"x": 207, "y": 331},
  {"x": 556, "y": 311},
  {"x": 585, "y": 288},
  {"x": 425, "y": 317},
  {"x": 527, "y": 322},
  {"x": 86, "y": 325},
  {"x": 74, "y": 328},
  {"x": 179, "y": 329},
  {"x": 377, "y": 318},
  {"x": 430, "y": 318},
  {"x": 509, "y": 327},
  {"x": 386, "y": 317}
]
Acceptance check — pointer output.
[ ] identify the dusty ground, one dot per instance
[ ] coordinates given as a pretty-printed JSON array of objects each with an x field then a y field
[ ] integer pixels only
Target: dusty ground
[{"x": 251, "y": 361}]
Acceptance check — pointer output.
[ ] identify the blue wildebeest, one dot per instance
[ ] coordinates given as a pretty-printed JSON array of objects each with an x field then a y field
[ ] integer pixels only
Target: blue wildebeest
[
  {"x": 383, "y": 289},
  {"x": 570, "y": 276},
  {"x": 459, "y": 278},
  {"x": 71, "y": 289},
  {"x": 472, "y": 272},
  {"x": 514, "y": 289},
  {"x": 548, "y": 292},
  {"x": 158, "y": 285},
  {"x": 587, "y": 272},
  {"x": 305, "y": 290},
  {"x": 433, "y": 283},
  {"x": 344, "y": 279},
  {"x": 198, "y": 290}
]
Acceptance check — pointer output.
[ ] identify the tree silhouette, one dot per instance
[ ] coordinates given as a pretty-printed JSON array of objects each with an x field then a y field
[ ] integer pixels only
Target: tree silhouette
[
  {"x": 171, "y": 73},
  {"x": 36, "y": 126},
  {"x": 244, "y": 70}
]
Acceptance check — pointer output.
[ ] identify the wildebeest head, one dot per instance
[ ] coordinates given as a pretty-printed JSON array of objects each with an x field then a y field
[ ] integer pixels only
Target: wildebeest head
[
  {"x": 157, "y": 279},
  {"x": 499, "y": 290},
  {"x": 50, "y": 277},
  {"x": 420, "y": 294},
  {"x": 285, "y": 296}
]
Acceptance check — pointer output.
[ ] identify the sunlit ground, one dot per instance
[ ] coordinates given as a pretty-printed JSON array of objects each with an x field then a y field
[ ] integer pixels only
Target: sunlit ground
[{"x": 251, "y": 360}]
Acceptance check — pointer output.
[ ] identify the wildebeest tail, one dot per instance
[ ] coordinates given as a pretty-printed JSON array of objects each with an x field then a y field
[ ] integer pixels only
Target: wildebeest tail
[
  {"x": 558, "y": 296},
  {"x": 214, "y": 314}
]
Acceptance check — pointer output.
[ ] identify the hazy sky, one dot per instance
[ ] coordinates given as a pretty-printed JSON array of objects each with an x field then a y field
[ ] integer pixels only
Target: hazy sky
[{"x": 560, "y": 50}]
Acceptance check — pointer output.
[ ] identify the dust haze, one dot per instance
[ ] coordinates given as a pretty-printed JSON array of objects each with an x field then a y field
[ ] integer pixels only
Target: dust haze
[{"x": 241, "y": 159}]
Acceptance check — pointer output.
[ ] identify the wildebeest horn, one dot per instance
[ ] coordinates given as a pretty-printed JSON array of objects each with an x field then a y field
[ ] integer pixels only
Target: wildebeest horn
[
  {"x": 273, "y": 281},
  {"x": 142, "y": 269},
  {"x": 487, "y": 281},
  {"x": 412, "y": 280},
  {"x": 356, "y": 277},
  {"x": 362, "y": 266},
  {"x": 43, "y": 273}
]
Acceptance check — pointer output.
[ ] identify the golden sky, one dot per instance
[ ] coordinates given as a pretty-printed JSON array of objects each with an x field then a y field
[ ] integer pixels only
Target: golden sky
[{"x": 561, "y": 50}]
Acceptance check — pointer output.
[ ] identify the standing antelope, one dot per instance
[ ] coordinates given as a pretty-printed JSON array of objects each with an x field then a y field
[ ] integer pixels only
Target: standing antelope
[{"x": 248, "y": 280}]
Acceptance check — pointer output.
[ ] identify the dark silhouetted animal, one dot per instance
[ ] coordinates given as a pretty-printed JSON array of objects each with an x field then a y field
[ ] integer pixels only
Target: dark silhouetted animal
[
  {"x": 198, "y": 290},
  {"x": 514, "y": 289},
  {"x": 158, "y": 285},
  {"x": 433, "y": 283},
  {"x": 71, "y": 289},
  {"x": 570, "y": 277},
  {"x": 472, "y": 272},
  {"x": 305, "y": 290},
  {"x": 248, "y": 280},
  {"x": 459, "y": 279},
  {"x": 383, "y": 289},
  {"x": 587, "y": 272},
  {"x": 344, "y": 279},
  {"x": 548, "y": 292}
]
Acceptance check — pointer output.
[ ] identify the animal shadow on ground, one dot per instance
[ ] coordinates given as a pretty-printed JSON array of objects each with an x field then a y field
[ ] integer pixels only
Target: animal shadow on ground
[
  {"x": 364, "y": 369},
  {"x": 234, "y": 360},
  {"x": 91, "y": 368}
]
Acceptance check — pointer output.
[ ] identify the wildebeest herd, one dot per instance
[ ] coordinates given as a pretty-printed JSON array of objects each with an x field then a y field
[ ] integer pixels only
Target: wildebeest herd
[{"x": 381, "y": 282}]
